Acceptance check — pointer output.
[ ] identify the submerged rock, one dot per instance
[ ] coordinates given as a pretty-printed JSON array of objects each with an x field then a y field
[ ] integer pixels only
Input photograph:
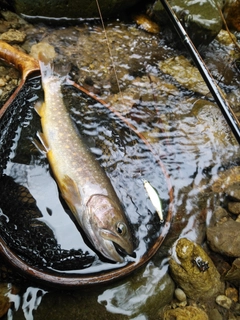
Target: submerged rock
[
  {"x": 188, "y": 312},
  {"x": 13, "y": 36},
  {"x": 224, "y": 238},
  {"x": 194, "y": 271},
  {"x": 231, "y": 12},
  {"x": 201, "y": 19},
  {"x": 145, "y": 23},
  {"x": 71, "y": 9},
  {"x": 225, "y": 179},
  {"x": 234, "y": 273},
  {"x": 185, "y": 73}
]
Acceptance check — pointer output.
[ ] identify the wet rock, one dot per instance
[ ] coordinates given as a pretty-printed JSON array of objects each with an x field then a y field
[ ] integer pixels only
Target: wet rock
[
  {"x": 224, "y": 237},
  {"x": 185, "y": 73},
  {"x": 214, "y": 314},
  {"x": 145, "y": 23},
  {"x": 188, "y": 312},
  {"x": 234, "y": 191},
  {"x": 219, "y": 215},
  {"x": 212, "y": 123},
  {"x": 226, "y": 38},
  {"x": 234, "y": 207},
  {"x": 73, "y": 9},
  {"x": 234, "y": 273},
  {"x": 202, "y": 20},
  {"x": 225, "y": 179},
  {"x": 45, "y": 47},
  {"x": 224, "y": 301},
  {"x": 12, "y": 19},
  {"x": 232, "y": 294},
  {"x": 194, "y": 271},
  {"x": 13, "y": 36},
  {"x": 231, "y": 12}
]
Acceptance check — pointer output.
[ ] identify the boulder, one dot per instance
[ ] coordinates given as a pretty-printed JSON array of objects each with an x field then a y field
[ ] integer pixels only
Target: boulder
[
  {"x": 201, "y": 19},
  {"x": 193, "y": 271},
  {"x": 72, "y": 8}
]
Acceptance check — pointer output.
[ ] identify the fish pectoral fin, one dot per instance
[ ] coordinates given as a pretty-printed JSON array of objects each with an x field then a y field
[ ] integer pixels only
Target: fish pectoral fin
[
  {"x": 39, "y": 107},
  {"x": 43, "y": 146},
  {"x": 39, "y": 146},
  {"x": 70, "y": 193}
]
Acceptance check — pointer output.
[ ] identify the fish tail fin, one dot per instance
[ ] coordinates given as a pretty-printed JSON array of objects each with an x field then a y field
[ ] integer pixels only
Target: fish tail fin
[
  {"x": 45, "y": 64},
  {"x": 49, "y": 69}
]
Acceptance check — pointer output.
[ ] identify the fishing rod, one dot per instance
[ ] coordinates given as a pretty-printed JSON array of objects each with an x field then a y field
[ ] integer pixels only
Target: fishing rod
[{"x": 209, "y": 80}]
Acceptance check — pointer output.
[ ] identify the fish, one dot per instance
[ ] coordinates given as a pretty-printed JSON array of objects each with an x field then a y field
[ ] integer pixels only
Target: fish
[
  {"x": 82, "y": 182},
  {"x": 154, "y": 197}
]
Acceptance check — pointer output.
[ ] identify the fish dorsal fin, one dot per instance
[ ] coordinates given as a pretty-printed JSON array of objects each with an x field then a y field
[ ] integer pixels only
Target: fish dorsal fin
[{"x": 71, "y": 194}]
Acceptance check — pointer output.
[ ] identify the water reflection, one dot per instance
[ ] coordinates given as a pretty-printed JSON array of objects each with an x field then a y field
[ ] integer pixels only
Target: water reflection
[
  {"x": 29, "y": 302},
  {"x": 135, "y": 296}
]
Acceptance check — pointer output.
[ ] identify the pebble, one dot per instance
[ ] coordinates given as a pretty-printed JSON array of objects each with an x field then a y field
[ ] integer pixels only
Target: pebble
[
  {"x": 232, "y": 293},
  {"x": 224, "y": 301},
  {"x": 180, "y": 295},
  {"x": 2, "y": 82}
]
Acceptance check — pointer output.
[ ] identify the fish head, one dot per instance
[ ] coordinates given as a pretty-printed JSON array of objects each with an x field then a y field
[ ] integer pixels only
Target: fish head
[{"x": 107, "y": 227}]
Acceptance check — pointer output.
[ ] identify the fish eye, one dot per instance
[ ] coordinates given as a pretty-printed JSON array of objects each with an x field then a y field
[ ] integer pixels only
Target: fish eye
[{"x": 121, "y": 228}]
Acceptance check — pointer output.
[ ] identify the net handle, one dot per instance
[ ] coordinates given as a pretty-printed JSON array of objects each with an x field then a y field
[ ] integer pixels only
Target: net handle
[{"x": 20, "y": 60}]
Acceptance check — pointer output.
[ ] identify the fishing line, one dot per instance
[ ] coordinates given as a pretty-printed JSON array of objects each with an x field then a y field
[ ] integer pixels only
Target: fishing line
[{"x": 109, "y": 50}]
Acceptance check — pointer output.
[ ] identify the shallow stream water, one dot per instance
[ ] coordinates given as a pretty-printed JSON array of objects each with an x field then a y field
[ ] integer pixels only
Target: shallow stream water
[{"x": 186, "y": 131}]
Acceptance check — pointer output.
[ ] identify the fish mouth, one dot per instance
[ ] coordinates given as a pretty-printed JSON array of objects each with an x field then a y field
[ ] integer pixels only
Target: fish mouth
[
  {"x": 111, "y": 252},
  {"x": 115, "y": 248}
]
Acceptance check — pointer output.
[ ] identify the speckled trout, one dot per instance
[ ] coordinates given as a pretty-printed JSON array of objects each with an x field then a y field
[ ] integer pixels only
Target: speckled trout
[{"x": 83, "y": 184}]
